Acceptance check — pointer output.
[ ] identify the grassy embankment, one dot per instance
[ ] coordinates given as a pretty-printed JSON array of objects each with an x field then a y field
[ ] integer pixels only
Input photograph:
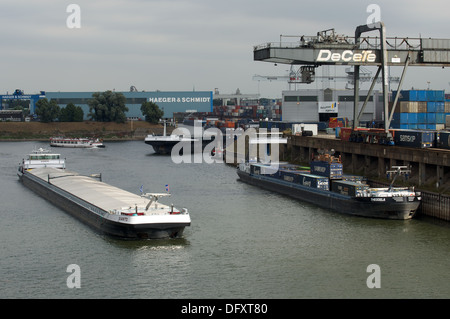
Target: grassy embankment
[{"x": 136, "y": 130}]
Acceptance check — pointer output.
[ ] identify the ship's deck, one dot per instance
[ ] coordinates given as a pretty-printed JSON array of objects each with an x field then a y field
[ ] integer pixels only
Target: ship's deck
[{"x": 102, "y": 195}]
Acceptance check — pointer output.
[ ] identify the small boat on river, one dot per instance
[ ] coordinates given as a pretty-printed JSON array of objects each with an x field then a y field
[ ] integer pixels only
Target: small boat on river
[{"x": 74, "y": 142}]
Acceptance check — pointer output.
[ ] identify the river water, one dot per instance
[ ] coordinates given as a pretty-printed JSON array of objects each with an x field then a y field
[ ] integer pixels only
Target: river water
[{"x": 244, "y": 242}]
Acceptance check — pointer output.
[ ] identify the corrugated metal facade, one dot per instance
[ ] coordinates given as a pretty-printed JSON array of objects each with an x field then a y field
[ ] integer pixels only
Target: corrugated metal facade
[{"x": 303, "y": 105}]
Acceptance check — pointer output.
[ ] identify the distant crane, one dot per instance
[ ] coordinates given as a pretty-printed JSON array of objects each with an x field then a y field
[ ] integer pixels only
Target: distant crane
[{"x": 306, "y": 75}]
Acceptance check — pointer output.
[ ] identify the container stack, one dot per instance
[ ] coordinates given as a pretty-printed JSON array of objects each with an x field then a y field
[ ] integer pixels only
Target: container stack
[
  {"x": 337, "y": 122},
  {"x": 293, "y": 174},
  {"x": 326, "y": 169},
  {"x": 321, "y": 175},
  {"x": 443, "y": 140},
  {"x": 349, "y": 188},
  {"x": 414, "y": 138},
  {"x": 420, "y": 109}
]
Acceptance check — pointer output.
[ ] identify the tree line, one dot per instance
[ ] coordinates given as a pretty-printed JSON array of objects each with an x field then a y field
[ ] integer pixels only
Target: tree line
[{"x": 107, "y": 106}]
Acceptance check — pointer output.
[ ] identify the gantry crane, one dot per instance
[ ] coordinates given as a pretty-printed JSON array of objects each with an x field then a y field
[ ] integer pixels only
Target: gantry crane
[{"x": 329, "y": 48}]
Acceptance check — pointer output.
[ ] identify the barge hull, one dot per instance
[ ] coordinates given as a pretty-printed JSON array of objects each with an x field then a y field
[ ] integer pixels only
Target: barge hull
[
  {"x": 96, "y": 220},
  {"x": 165, "y": 147},
  {"x": 389, "y": 209}
]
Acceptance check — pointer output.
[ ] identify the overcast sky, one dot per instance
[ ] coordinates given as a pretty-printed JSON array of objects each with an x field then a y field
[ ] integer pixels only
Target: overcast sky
[{"x": 182, "y": 45}]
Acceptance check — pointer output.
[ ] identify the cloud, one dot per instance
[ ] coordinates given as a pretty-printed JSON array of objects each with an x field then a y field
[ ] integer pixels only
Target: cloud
[{"x": 178, "y": 44}]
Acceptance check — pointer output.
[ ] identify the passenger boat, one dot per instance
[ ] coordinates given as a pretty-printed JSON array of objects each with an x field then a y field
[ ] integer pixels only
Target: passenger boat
[
  {"x": 106, "y": 208},
  {"x": 324, "y": 184},
  {"x": 82, "y": 142}
]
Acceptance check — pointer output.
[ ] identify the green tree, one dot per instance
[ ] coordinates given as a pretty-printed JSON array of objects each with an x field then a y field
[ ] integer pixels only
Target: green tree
[
  {"x": 152, "y": 112},
  {"x": 25, "y": 110},
  {"x": 108, "y": 107},
  {"x": 47, "y": 111},
  {"x": 71, "y": 113},
  {"x": 78, "y": 114}
]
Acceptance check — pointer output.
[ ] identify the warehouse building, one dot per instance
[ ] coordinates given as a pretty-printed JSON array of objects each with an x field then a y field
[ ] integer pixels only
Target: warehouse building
[
  {"x": 313, "y": 105},
  {"x": 168, "y": 101}
]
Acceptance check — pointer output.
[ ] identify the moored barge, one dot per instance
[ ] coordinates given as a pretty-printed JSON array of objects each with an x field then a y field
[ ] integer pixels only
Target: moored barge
[{"x": 325, "y": 185}]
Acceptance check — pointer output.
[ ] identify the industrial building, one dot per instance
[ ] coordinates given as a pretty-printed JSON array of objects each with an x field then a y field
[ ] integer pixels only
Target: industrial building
[
  {"x": 316, "y": 105},
  {"x": 11, "y": 116},
  {"x": 168, "y": 101}
]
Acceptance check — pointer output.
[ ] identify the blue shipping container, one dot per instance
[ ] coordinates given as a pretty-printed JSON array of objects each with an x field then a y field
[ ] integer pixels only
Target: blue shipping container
[
  {"x": 416, "y": 139},
  {"x": 440, "y": 107},
  {"x": 440, "y": 118},
  {"x": 431, "y": 95},
  {"x": 421, "y": 95},
  {"x": 394, "y": 125},
  {"x": 404, "y": 118},
  {"x": 348, "y": 188},
  {"x": 421, "y": 118},
  {"x": 314, "y": 181},
  {"x": 412, "y": 118},
  {"x": 330, "y": 170},
  {"x": 411, "y": 95},
  {"x": 431, "y": 118},
  {"x": 289, "y": 176},
  {"x": 443, "y": 140},
  {"x": 261, "y": 169},
  {"x": 431, "y": 126},
  {"x": 422, "y": 126},
  {"x": 431, "y": 107},
  {"x": 354, "y": 178},
  {"x": 440, "y": 95}
]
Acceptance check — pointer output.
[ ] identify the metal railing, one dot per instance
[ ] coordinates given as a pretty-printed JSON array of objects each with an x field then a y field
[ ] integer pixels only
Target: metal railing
[
  {"x": 432, "y": 204},
  {"x": 374, "y": 43}
]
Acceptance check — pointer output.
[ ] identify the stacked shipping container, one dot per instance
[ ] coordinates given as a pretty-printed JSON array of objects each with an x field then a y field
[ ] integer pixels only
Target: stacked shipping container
[
  {"x": 249, "y": 111},
  {"x": 420, "y": 109},
  {"x": 329, "y": 170},
  {"x": 293, "y": 174},
  {"x": 322, "y": 175}
]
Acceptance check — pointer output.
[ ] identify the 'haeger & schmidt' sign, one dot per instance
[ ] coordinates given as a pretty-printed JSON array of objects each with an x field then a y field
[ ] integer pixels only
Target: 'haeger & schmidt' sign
[
  {"x": 183, "y": 99},
  {"x": 347, "y": 56}
]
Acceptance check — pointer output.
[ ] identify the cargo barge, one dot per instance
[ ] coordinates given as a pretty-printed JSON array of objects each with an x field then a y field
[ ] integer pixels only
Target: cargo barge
[
  {"x": 163, "y": 144},
  {"x": 326, "y": 186},
  {"x": 106, "y": 208}
]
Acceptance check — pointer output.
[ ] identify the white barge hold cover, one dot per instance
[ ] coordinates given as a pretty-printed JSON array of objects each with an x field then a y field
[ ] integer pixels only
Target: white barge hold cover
[
  {"x": 107, "y": 208},
  {"x": 102, "y": 195}
]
